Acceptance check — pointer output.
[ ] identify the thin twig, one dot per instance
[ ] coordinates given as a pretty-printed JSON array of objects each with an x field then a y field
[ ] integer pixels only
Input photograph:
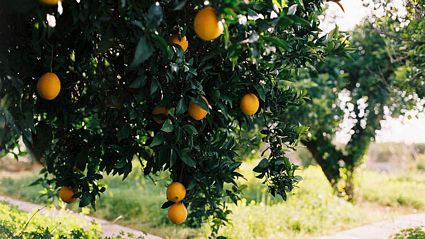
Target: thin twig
[{"x": 29, "y": 220}]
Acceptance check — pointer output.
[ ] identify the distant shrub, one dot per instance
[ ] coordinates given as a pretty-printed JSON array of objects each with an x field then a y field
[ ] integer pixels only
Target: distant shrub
[
  {"x": 420, "y": 148},
  {"x": 410, "y": 233},
  {"x": 420, "y": 162}
]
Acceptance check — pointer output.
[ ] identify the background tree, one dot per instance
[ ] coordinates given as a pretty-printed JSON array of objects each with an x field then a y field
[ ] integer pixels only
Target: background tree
[
  {"x": 124, "y": 91},
  {"x": 382, "y": 77}
]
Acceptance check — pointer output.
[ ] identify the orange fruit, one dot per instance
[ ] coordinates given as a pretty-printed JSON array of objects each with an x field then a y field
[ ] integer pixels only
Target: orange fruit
[
  {"x": 182, "y": 42},
  {"x": 66, "y": 194},
  {"x": 177, "y": 213},
  {"x": 159, "y": 114},
  {"x": 197, "y": 112},
  {"x": 49, "y": 86},
  {"x": 176, "y": 192},
  {"x": 206, "y": 24},
  {"x": 50, "y": 2},
  {"x": 250, "y": 104}
]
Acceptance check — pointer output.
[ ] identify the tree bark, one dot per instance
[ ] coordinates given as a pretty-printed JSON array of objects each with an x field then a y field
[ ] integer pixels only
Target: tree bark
[{"x": 317, "y": 155}]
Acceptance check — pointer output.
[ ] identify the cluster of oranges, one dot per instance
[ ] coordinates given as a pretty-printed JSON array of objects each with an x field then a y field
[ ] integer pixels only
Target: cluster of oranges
[
  {"x": 207, "y": 27},
  {"x": 176, "y": 192}
]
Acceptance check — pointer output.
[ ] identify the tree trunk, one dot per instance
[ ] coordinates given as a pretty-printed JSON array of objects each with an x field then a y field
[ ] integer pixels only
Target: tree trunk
[
  {"x": 331, "y": 168},
  {"x": 317, "y": 155}
]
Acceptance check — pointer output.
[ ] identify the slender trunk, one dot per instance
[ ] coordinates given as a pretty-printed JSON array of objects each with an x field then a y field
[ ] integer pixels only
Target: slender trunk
[
  {"x": 331, "y": 167},
  {"x": 317, "y": 155}
]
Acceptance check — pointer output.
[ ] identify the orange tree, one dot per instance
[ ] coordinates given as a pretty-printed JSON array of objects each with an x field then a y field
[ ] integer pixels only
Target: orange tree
[{"x": 174, "y": 84}]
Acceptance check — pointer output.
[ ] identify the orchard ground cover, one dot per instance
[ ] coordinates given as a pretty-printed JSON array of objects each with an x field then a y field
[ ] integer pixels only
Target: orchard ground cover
[{"x": 315, "y": 210}]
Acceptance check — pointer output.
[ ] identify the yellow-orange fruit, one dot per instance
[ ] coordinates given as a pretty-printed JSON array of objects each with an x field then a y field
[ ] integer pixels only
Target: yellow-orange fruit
[
  {"x": 177, "y": 213},
  {"x": 160, "y": 113},
  {"x": 66, "y": 194},
  {"x": 182, "y": 42},
  {"x": 206, "y": 24},
  {"x": 250, "y": 104},
  {"x": 50, "y": 2},
  {"x": 49, "y": 86},
  {"x": 176, "y": 192},
  {"x": 197, "y": 112}
]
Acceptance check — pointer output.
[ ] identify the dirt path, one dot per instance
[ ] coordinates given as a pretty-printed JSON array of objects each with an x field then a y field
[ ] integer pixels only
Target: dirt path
[
  {"x": 108, "y": 228},
  {"x": 380, "y": 230}
]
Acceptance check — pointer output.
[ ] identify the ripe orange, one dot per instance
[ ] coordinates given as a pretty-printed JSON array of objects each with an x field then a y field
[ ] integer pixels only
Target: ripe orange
[
  {"x": 159, "y": 114},
  {"x": 182, "y": 42},
  {"x": 249, "y": 104},
  {"x": 206, "y": 24},
  {"x": 177, "y": 213},
  {"x": 50, "y": 2},
  {"x": 176, "y": 192},
  {"x": 197, "y": 112},
  {"x": 49, "y": 86},
  {"x": 66, "y": 194}
]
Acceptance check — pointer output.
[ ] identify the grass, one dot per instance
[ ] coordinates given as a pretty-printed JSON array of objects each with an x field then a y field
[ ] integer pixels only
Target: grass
[
  {"x": 311, "y": 210},
  {"x": 19, "y": 225},
  {"x": 406, "y": 190}
]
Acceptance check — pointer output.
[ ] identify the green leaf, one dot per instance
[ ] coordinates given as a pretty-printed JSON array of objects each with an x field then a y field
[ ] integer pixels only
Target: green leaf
[
  {"x": 179, "y": 5},
  {"x": 139, "y": 82},
  {"x": 276, "y": 41},
  {"x": 143, "y": 51},
  {"x": 155, "y": 14},
  {"x": 167, "y": 204},
  {"x": 260, "y": 91},
  {"x": 185, "y": 157},
  {"x": 154, "y": 87},
  {"x": 181, "y": 107},
  {"x": 167, "y": 126},
  {"x": 190, "y": 129},
  {"x": 201, "y": 102},
  {"x": 86, "y": 198},
  {"x": 300, "y": 2},
  {"x": 124, "y": 132},
  {"x": 262, "y": 166},
  {"x": 298, "y": 178},
  {"x": 157, "y": 140}
]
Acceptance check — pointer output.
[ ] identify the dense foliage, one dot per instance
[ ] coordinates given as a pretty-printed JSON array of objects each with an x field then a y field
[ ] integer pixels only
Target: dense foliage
[
  {"x": 116, "y": 66},
  {"x": 382, "y": 77}
]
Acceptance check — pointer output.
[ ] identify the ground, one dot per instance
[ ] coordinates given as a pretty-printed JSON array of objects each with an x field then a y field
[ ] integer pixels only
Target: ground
[{"x": 311, "y": 211}]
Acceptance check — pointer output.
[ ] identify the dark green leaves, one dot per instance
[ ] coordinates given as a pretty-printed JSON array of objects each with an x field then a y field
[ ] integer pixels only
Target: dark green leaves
[
  {"x": 124, "y": 132},
  {"x": 157, "y": 140},
  {"x": 181, "y": 107},
  {"x": 185, "y": 157},
  {"x": 155, "y": 14},
  {"x": 167, "y": 204},
  {"x": 190, "y": 129},
  {"x": 122, "y": 67},
  {"x": 262, "y": 166},
  {"x": 85, "y": 200},
  {"x": 143, "y": 51},
  {"x": 167, "y": 126},
  {"x": 139, "y": 82}
]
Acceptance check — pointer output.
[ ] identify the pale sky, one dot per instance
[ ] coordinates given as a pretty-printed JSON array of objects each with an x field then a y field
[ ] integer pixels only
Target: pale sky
[
  {"x": 393, "y": 130},
  {"x": 354, "y": 13}
]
